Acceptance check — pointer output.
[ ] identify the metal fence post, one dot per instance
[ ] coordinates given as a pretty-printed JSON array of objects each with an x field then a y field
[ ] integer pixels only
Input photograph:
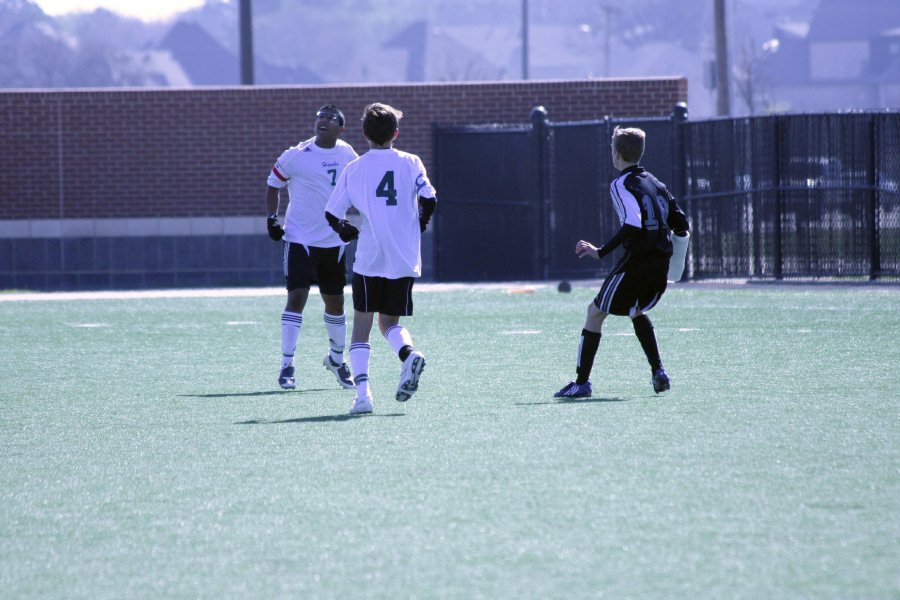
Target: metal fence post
[
  {"x": 679, "y": 168},
  {"x": 539, "y": 124},
  {"x": 874, "y": 233},
  {"x": 436, "y": 220},
  {"x": 778, "y": 258}
]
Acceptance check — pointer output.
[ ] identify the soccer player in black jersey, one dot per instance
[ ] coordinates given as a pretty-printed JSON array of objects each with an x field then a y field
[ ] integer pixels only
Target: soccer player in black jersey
[{"x": 649, "y": 216}]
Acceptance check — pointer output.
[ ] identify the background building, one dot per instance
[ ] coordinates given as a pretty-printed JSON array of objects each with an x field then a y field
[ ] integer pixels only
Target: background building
[{"x": 784, "y": 54}]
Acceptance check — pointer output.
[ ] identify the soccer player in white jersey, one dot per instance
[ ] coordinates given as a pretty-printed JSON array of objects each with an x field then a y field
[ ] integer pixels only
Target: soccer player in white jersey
[
  {"x": 391, "y": 191},
  {"x": 313, "y": 252}
]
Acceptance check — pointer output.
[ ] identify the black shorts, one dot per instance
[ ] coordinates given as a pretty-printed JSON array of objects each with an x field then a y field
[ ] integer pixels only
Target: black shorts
[
  {"x": 386, "y": 296},
  {"x": 634, "y": 286},
  {"x": 306, "y": 265}
]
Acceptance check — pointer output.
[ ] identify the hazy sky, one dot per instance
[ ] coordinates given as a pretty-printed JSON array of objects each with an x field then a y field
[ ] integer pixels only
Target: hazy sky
[{"x": 148, "y": 11}]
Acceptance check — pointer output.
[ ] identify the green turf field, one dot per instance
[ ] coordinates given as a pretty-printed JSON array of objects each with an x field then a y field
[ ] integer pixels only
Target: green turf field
[{"x": 145, "y": 451}]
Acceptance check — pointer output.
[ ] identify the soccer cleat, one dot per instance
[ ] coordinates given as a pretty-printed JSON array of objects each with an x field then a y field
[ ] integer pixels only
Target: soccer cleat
[
  {"x": 575, "y": 390},
  {"x": 362, "y": 405},
  {"x": 341, "y": 371},
  {"x": 660, "y": 380},
  {"x": 286, "y": 378},
  {"x": 409, "y": 375}
]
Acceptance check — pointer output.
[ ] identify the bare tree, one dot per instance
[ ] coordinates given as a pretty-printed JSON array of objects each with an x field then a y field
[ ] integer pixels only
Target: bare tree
[{"x": 749, "y": 78}]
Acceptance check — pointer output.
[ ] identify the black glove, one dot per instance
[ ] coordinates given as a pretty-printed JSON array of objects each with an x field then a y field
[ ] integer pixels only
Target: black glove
[
  {"x": 342, "y": 227},
  {"x": 276, "y": 231},
  {"x": 346, "y": 231},
  {"x": 426, "y": 209}
]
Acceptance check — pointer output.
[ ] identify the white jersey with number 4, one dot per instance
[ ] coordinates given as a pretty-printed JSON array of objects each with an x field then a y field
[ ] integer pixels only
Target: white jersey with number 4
[
  {"x": 310, "y": 173},
  {"x": 384, "y": 186}
]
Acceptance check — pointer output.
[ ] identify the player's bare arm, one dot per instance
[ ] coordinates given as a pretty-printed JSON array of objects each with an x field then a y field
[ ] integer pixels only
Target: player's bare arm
[{"x": 273, "y": 199}]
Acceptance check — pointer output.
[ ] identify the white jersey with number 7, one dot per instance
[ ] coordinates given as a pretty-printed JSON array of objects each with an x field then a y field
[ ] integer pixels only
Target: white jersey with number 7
[{"x": 384, "y": 186}]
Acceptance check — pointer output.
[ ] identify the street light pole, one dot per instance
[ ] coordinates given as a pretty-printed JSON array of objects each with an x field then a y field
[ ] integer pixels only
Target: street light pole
[
  {"x": 608, "y": 12},
  {"x": 722, "y": 100},
  {"x": 525, "y": 39},
  {"x": 246, "y": 26}
]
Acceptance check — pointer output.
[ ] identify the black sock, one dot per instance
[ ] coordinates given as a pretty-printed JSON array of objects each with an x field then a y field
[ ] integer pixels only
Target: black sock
[
  {"x": 587, "y": 349},
  {"x": 405, "y": 351},
  {"x": 643, "y": 329}
]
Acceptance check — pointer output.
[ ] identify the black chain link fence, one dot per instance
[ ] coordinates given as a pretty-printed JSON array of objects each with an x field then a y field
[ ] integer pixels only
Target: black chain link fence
[
  {"x": 776, "y": 197},
  {"x": 793, "y": 196}
]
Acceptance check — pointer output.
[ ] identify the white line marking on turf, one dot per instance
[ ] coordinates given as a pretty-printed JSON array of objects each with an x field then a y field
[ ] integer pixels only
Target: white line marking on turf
[
  {"x": 139, "y": 294},
  {"x": 227, "y": 292},
  {"x": 242, "y": 322},
  {"x": 521, "y": 332},
  {"x": 90, "y": 325}
]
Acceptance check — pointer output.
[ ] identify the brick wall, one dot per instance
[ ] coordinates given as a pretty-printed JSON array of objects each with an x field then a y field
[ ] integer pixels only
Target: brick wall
[{"x": 206, "y": 152}]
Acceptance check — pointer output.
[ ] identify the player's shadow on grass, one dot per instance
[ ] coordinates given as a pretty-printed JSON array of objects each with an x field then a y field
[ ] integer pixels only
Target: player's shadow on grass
[
  {"x": 319, "y": 419},
  {"x": 571, "y": 401},
  {"x": 286, "y": 393}
]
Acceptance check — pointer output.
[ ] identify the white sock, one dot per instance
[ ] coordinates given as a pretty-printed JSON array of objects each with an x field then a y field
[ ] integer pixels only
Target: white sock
[
  {"x": 398, "y": 336},
  {"x": 290, "y": 333},
  {"x": 336, "y": 326},
  {"x": 359, "y": 362}
]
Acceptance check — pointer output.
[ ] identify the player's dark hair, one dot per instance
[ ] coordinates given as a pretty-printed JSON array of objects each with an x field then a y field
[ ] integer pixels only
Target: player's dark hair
[
  {"x": 331, "y": 108},
  {"x": 629, "y": 143},
  {"x": 380, "y": 122}
]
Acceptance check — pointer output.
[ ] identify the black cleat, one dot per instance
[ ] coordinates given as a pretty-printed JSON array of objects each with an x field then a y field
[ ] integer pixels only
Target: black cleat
[
  {"x": 286, "y": 378},
  {"x": 575, "y": 390},
  {"x": 660, "y": 380}
]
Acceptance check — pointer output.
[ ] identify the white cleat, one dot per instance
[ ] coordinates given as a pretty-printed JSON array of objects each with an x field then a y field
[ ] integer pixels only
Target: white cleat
[
  {"x": 409, "y": 375},
  {"x": 341, "y": 371},
  {"x": 362, "y": 405}
]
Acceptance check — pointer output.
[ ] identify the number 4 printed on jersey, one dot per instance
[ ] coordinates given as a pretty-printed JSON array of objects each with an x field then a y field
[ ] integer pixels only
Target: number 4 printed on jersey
[{"x": 386, "y": 189}]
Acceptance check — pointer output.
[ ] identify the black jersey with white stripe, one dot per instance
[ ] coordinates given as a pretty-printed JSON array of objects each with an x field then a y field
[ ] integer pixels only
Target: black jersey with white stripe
[{"x": 648, "y": 213}]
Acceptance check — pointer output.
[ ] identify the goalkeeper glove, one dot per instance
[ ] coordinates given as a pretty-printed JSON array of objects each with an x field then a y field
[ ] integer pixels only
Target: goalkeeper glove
[{"x": 276, "y": 231}]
